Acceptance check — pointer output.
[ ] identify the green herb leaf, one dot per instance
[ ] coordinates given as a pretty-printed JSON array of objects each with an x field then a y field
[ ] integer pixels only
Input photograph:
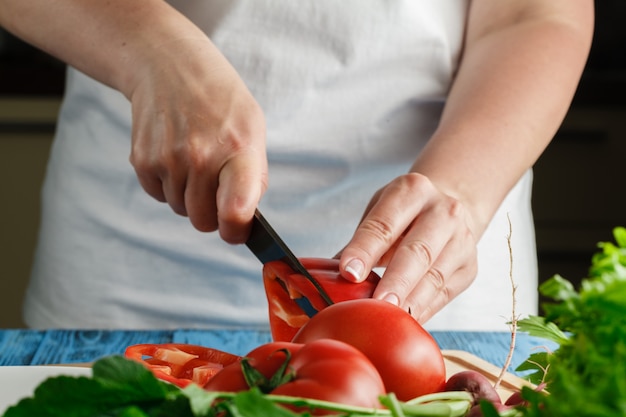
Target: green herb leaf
[
  {"x": 539, "y": 327},
  {"x": 119, "y": 387},
  {"x": 199, "y": 400},
  {"x": 586, "y": 375},
  {"x": 538, "y": 364},
  {"x": 252, "y": 403},
  {"x": 119, "y": 374}
]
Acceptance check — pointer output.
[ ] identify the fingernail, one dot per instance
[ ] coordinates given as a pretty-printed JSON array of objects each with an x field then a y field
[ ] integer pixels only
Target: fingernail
[
  {"x": 355, "y": 268},
  {"x": 391, "y": 298}
]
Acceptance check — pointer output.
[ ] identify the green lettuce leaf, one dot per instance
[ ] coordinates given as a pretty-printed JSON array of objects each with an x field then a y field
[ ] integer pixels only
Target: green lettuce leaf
[{"x": 586, "y": 375}]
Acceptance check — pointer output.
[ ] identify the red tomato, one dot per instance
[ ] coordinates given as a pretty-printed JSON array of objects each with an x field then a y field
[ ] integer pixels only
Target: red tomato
[
  {"x": 406, "y": 356},
  {"x": 283, "y": 285},
  {"x": 179, "y": 363},
  {"x": 326, "y": 370}
]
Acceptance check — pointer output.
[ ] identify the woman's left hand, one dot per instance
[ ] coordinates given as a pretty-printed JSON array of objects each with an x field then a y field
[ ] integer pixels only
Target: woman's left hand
[
  {"x": 519, "y": 70},
  {"x": 423, "y": 238}
]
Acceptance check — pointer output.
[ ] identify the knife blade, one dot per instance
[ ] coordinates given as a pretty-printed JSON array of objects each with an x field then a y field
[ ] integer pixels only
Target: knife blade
[{"x": 267, "y": 246}]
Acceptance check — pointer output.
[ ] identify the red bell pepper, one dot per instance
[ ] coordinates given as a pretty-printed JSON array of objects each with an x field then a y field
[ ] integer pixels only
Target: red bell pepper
[
  {"x": 179, "y": 363},
  {"x": 283, "y": 286}
]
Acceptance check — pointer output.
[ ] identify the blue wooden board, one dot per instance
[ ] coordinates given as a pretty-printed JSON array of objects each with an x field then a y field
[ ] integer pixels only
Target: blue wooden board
[{"x": 38, "y": 347}]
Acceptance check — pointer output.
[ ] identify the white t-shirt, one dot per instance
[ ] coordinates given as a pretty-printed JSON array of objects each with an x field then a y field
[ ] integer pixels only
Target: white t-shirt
[{"x": 351, "y": 91}]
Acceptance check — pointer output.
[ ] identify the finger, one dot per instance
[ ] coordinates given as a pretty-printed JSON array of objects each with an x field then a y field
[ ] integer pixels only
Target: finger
[
  {"x": 157, "y": 170},
  {"x": 144, "y": 168},
  {"x": 443, "y": 281},
  {"x": 384, "y": 259},
  {"x": 382, "y": 226},
  {"x": 242, "y": 183},
  {"x": 415, "y": 255},
  {"x": 430, "y": 294},
  {"x": 200, "y": 200},
  {"x": 163, "y": 184},
  {"x": 174, "y": 186},
  {"x": 152, "y": 185},
  {"x": 424, "y": 307}
]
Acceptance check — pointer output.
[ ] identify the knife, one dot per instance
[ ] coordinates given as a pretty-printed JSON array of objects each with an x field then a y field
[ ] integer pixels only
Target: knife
[{"x": 267, "y": 246}]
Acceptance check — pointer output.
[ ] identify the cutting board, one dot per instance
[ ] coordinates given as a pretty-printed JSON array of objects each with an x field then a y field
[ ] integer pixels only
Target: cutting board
[{"x": 458, "y": 360}]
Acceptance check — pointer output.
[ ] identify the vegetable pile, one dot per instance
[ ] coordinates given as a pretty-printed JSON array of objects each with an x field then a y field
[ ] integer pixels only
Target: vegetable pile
[
  {"x": 355, "y": 357},
  {"x": 354, "y": 372},
  {"x": 364, "y": 357},
  {"x": 124, "y": 388}
]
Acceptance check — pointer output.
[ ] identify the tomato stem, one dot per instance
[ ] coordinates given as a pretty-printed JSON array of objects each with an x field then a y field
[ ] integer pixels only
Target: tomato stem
[{"x": 254, "y": 378}]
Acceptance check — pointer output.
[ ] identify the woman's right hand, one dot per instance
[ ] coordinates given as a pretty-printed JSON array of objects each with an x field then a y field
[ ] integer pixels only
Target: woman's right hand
[{"x": 198, "y": 136}]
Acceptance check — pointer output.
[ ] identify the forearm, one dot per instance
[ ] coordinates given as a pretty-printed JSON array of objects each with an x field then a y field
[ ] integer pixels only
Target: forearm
[
  {"x": 513, "y": 88},
  {"x": 108, "y": 40}
]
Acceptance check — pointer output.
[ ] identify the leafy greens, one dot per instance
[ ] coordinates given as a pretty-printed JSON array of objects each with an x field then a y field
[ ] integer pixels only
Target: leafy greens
[{"x": 586, "y": 375}]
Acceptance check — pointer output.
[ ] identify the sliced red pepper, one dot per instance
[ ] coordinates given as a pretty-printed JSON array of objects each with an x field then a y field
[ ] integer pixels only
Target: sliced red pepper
[
  {"x": 283, "y": 286},
  {"x": 180, "y": 363}
]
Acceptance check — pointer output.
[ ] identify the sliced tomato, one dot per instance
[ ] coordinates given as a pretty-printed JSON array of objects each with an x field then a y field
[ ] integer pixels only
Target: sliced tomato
[
  {"x": 180, "y": 363},
  {"x": 283, "y": 286}
]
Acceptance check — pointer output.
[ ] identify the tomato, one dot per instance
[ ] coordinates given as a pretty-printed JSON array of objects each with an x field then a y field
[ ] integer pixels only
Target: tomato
[
  {"x": 324, "y": 369},
  {"x": 407, "y": 357},
  {"x": 179, "y": 363},
  {"x": 283, "y": 286}
]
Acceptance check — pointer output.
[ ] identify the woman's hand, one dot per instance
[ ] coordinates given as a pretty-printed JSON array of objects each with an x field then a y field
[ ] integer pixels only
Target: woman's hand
[
  {"x": 520, "y": 67},
  {"x": 423, "y": 237},
  {"x": 198, "y": 139}
]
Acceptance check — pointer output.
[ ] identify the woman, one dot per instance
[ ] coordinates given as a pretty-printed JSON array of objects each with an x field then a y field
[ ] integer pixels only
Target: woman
[{"x": 437, "y": 109}]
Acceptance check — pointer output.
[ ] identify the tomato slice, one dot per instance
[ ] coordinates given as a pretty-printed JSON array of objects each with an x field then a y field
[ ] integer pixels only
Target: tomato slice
[
  {"x": 180, "y": 363},
  {"x": 283, "y": 286}
]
